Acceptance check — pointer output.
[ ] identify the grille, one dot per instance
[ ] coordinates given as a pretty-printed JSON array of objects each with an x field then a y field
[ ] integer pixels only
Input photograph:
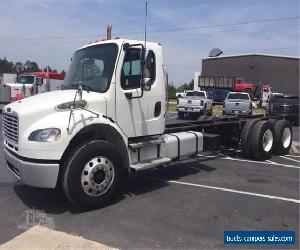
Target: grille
[{"x": 10, "y": 126}]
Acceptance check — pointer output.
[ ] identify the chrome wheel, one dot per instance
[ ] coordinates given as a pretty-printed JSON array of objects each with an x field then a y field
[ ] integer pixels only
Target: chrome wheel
[
  {"x": 267, "y": 140},
  {"x": 286, "y": 137},
  {"x": 97, "y": 176}
]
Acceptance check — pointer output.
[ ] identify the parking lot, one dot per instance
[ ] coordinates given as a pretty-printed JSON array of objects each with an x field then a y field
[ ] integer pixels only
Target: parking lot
[{"x": 184, "y": 205}]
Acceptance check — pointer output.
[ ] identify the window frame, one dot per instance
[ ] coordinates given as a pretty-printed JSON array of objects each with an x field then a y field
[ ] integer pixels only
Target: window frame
[{"x": 142, "y": 71}]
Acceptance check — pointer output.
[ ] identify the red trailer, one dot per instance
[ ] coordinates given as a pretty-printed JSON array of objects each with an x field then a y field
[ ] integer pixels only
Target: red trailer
[{"x": 236, "y": 84}]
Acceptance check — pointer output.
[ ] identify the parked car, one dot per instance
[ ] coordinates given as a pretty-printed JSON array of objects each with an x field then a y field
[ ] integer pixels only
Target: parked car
[
  {"x": 218, "y": 96},
  {"x": 237, "y": 103},
  {"x": 285, "y": 104},
  {"x": 195, "y": 102}
]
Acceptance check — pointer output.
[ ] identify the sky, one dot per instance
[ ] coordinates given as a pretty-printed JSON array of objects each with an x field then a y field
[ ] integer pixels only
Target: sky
[{"x": 49, "y": 31}]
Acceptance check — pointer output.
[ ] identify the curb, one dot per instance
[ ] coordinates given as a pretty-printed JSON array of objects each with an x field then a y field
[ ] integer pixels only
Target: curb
[{"x": 39, "y": 237}]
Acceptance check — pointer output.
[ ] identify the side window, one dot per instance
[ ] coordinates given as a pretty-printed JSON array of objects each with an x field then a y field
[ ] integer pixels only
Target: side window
[
  {"x": 149, "y": 69},
  {"x": 131, "y": 70}
]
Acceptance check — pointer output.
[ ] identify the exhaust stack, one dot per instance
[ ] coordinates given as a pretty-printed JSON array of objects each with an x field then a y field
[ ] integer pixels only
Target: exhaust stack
[{"x": 108, "y": 32}]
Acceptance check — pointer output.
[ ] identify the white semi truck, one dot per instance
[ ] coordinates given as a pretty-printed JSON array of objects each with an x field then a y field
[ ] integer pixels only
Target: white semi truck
[{"x": 109, "y": 120}]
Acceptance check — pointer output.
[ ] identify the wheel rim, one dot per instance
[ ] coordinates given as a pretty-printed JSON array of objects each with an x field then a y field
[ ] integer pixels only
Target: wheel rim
[
  {"x": 267, "y": 140},
  {"x": 286, "y": 137},
  {"x": 97, "y": 176}
]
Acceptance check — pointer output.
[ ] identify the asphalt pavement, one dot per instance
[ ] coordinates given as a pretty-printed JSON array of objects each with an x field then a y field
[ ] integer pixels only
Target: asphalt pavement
[{"x": 184, "y": 205}]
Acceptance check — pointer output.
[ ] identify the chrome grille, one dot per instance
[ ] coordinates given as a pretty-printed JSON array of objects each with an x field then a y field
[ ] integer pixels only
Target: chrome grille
[{"x": 10, "y": 127}]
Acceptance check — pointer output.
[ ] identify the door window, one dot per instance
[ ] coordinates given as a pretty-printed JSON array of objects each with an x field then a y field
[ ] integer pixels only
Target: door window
[{"x": 131, "y": 70}]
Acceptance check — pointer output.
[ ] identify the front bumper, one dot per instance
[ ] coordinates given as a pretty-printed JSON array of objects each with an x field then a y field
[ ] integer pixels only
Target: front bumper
[{"x": 35, "y": 174}]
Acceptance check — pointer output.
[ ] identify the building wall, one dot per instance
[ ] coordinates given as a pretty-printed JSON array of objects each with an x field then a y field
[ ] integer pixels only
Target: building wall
[{"x": 281, "y": 72}]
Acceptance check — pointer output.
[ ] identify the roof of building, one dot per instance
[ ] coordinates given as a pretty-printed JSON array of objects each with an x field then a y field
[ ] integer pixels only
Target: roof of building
[{"x": 247, "y": 55}]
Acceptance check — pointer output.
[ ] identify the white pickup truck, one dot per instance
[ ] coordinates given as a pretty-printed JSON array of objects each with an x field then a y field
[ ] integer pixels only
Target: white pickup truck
[
  {"x": 237, "y": 103},
  {"x": 194, "y": 102}
]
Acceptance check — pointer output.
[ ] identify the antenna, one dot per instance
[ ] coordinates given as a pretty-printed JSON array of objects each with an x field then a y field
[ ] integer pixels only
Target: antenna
[{"x": 146, "y": 24}]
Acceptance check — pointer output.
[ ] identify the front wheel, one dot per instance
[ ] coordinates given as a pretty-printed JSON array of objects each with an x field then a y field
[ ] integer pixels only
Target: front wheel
[{"x": 93, "y": 175}]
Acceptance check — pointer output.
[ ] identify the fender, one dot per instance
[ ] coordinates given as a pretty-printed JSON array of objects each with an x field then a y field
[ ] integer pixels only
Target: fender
[{"x": 106, "y": 132}]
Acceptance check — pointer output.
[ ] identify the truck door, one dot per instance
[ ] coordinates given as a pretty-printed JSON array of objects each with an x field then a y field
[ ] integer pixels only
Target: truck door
[{"x": 139, "y": 112}]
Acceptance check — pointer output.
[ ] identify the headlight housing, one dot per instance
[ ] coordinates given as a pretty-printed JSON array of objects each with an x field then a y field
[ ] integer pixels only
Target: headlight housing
[{"x": 45, "y": 135}]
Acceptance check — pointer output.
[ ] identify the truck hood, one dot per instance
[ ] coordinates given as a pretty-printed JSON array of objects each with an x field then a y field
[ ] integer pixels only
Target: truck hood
[{"x": 47, "y": 102}]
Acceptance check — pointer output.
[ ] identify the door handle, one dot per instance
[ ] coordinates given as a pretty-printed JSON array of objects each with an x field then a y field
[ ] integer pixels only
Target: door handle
[{"x": 157, "y": 109}]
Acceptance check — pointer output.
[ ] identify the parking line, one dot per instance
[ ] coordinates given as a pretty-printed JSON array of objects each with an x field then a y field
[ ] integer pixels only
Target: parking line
[
  {"x": 290, "y": 159},
  {"x": 256, "y": 162},
  {"x": 295, "y": 156},
  {"x": 272, "y": 162},
  {"x": 230, "y": 190}
]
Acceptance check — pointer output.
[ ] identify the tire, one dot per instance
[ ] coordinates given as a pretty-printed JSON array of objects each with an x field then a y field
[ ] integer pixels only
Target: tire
[
  {"x": 90, "y": 160},
  {"x": 283, "y": 137},
  {"x": 246, "y": 137},
  {"x": 180, "y": 115},
  {"x": 263, "y": 141}
]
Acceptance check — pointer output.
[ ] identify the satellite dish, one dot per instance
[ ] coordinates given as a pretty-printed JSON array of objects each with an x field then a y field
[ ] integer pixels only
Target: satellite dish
[{"x": 215, "y": 52}]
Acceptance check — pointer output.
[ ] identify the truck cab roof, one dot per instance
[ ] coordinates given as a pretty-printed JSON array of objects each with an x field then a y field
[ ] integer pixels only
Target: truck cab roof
[{"x": 119, "y": 42}]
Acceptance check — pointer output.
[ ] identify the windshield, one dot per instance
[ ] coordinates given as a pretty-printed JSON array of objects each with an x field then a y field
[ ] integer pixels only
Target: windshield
[
  {"x": 25, "y": 79},
  {"x": 92, "y": 67},
  {"x": 195, "y": 93},
  {"x": 238, "y": 96},
  {"x": 286, "y": 99}
]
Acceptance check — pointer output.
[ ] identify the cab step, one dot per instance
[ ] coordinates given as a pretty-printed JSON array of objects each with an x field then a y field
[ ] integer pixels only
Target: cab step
[
  {"x": 146, "y": 143},
  {"x": 149, "y": 164}
]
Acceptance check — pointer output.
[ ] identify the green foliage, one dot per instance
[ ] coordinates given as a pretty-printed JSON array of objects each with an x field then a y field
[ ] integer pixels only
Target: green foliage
[
  {"x": 172, "y": 89},
  {"x": 6, "y": 66},
  {"x": 19, "y": 67}
]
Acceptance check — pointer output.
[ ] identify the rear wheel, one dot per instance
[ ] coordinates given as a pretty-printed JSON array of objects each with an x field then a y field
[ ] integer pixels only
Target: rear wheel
[
  {"x": 93, "y": 175},
  {"x": 283, "y": 137},
  {"x": 246, "y": 137},
  {"x": 263, "y": 140}
]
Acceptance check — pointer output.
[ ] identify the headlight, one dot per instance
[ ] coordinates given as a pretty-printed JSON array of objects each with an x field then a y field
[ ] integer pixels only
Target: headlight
[{"x": 45, "y": 135}]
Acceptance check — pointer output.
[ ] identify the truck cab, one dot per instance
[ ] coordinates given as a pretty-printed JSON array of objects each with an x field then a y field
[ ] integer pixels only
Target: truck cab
[{"x": 113, "y": 101}]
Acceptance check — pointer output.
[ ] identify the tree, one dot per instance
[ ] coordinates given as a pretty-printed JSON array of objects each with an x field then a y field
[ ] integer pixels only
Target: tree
[
  {"x": 183, "y": 87},
  {"x": 6, "y": 66},
  {"x": 191, "y": 84},
  {"x": 30, "y": 67},
  {"x": 19, "y": 67},
  {"x": 171, "y": 91}
]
